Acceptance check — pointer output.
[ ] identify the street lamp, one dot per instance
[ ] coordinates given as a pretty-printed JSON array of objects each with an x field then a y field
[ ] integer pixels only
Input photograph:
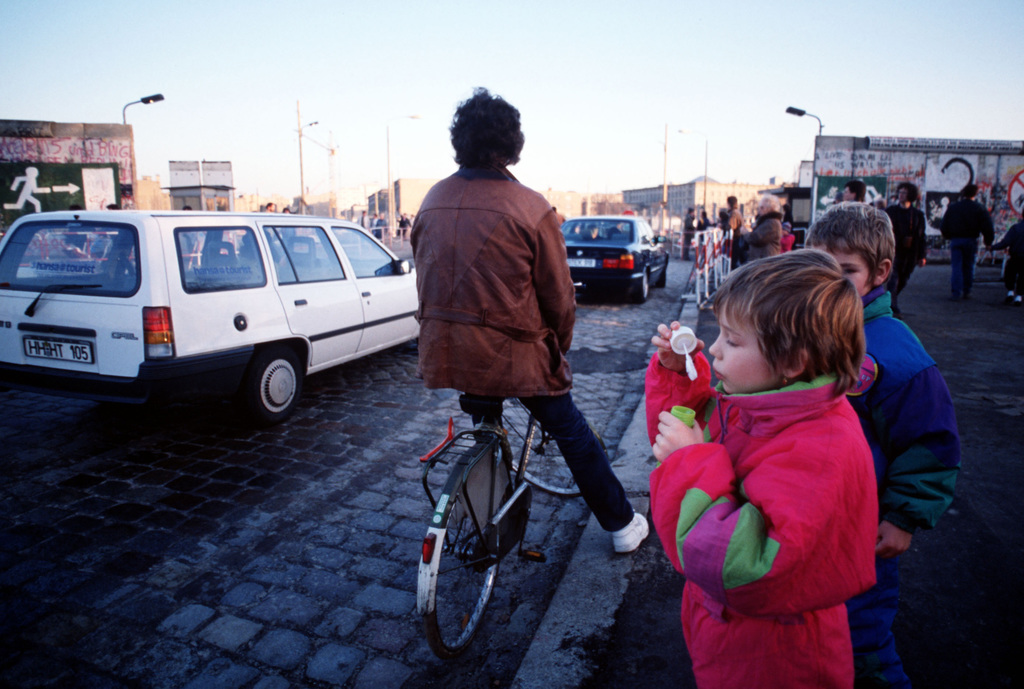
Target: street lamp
[
  {"x": 302, "y": 173},
  {"x": 391, "y": 191},
  {"x": 800, "y": 113},
  {"x": 689, "y": 131},
  {"x": 145, "y": 100}
]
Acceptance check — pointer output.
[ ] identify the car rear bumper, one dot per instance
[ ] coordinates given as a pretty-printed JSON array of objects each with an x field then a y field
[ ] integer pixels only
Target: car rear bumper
[
  {"x": 598, "y": 279},
  {"x": 211, "y": 374}
]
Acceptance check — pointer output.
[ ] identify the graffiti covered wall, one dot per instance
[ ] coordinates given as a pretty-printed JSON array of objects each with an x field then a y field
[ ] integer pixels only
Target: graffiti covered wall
[
  {"x": 939, "y": 167},
  {"x": 53, "y": 165}
]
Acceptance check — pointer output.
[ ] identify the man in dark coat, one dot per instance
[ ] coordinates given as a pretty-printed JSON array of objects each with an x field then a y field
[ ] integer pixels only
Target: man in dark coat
[
  {"x": 908, "y": 227},
  {"x": 961, "y": 225},
  {"x": 497, "y": 304}
]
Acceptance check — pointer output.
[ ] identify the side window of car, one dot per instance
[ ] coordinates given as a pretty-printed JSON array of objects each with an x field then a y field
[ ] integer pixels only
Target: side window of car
[
  {"x": 213, "y": 259},
  {"x": 303, "y": 254},
  {"x": 367, "y": 258}
]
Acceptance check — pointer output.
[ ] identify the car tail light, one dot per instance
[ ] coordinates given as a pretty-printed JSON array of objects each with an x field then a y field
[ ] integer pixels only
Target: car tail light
[
  {"x": 158, "y": 331},
  {"x": 624, "y": 262}
]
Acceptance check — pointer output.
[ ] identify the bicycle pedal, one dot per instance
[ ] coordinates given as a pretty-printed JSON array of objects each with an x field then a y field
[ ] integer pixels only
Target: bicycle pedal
[{"x": 533, "y": 555}]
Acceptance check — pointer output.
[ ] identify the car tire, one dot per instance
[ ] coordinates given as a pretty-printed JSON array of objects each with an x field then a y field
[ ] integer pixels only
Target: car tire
[
  {"x": 663, "y": 277},
  {"x": 642, "y": 289},
  {"x": 273, "y": 385}
]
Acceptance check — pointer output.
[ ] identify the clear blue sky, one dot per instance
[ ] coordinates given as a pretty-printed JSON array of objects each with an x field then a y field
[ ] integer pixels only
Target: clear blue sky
[{"x": 596, "y": 82}]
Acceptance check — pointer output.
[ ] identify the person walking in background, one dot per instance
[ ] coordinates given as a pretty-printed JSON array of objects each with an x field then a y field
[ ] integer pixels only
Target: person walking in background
[
  {"x": 497, "y": 305},
  {"x": 772, "y": 533},
  {"x": 788, "y": 238},
  {"x": 271, "y": 207},
  {"x": 854, "y": 190},
  {"x": 961, "y": 225},
  {"x": 1013, "y": 277},
  {"x": 736, "y": 225},
  {"x": 907, "y": 416},
  {"x": 908, "y": 227},
  {"x": 689, "y": 228},
  {"x": 766, "y": 237},
  {"x": 705, "y": 222}
]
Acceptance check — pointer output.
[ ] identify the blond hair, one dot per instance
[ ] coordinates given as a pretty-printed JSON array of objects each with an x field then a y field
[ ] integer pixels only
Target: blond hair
[
  {"x": 855, "y": 228},
  {"x": 803, "y": 312}
]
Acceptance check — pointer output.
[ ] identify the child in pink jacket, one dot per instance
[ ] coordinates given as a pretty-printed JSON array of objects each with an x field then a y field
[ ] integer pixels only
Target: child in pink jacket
[{"x": 767, "y": 505}]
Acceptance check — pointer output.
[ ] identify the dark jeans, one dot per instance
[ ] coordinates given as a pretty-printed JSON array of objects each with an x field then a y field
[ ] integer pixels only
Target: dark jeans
[
  {"x": 1013, "y": 277},
  {"x": 599, "y": 486},
  {"x": 962, "y": 253},
  {"x": 871, "y": 614},
  {"x": 902, "y": 267}
]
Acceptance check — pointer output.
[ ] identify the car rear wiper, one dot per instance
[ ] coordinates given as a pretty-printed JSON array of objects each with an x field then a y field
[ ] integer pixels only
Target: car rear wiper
[{"x": 53, "y": 289}]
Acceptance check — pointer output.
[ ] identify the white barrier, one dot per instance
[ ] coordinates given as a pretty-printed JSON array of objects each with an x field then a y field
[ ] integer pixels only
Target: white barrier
[{"x": 712, "y": 261}]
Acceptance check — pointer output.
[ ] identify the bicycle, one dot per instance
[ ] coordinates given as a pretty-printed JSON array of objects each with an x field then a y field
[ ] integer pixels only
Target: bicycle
[{"x": 480, "y": 514}]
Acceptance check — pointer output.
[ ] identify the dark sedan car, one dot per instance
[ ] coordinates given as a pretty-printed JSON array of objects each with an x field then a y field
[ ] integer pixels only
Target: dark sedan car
[{"x": 615, "y": 252}]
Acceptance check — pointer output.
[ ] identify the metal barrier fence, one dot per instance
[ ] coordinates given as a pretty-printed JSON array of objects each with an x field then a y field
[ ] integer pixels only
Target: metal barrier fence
[{"x": 711, "y": 264}]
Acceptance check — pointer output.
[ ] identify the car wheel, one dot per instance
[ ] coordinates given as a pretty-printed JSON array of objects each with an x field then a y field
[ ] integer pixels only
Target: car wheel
[
  {"x": 272, "y": 385},
  {"x": 641, "y": 291},
  {"x": 663, "y": 277}
]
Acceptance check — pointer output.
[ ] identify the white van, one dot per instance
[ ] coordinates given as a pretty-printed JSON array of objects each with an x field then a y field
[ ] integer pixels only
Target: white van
[{"x": 132, "y": 306}]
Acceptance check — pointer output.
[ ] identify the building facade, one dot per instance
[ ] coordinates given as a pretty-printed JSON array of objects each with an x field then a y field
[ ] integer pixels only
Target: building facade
[{"x": 696, "y": 194}]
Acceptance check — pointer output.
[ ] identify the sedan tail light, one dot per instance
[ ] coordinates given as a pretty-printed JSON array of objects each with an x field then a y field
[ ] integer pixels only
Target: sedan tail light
[{"x": 623, "y": 262}]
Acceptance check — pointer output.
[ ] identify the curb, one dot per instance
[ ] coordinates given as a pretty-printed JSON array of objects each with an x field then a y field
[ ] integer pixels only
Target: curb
[{"x": 595, "y": 582}]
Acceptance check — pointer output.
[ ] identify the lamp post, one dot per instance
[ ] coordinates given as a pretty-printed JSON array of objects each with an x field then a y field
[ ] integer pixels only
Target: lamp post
[
  {"x": 391, "y": 191},
  {"x": 302, "y": 173},
  {"x": 704, "y": 203},
  {"x": 664, "y": 184},
  {"x": 800, "y": 113},
  {"x": 145, "y": 100}
]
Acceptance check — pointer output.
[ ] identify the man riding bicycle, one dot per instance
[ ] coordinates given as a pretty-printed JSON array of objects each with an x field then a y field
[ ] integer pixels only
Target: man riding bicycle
[{"x": 497, "y": 305}]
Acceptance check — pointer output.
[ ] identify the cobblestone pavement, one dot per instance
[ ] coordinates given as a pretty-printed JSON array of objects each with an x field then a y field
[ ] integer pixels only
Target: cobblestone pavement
[{"x": 174, "y": 546}]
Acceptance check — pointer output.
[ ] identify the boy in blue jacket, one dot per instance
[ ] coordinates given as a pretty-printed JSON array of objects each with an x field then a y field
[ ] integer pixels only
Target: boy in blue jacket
[{"x": 907, "y": 415}]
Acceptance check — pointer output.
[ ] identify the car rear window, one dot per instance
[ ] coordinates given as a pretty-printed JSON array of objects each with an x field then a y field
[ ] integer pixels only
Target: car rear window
[
  {"x": 214, "y": 259},
  {"x": 72, "y": 257},
  {"x": 603, "y": 231}
]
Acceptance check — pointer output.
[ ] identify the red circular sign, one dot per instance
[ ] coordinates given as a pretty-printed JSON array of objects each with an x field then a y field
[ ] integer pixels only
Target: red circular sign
[{"x": 1015, "y": 194}]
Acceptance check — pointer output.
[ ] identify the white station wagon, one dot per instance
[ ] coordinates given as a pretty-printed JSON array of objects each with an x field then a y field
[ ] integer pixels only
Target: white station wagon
[{"x": 132, "y": 306}]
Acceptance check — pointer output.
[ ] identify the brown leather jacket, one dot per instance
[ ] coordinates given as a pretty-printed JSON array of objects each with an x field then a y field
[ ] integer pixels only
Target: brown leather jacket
[{"x": 497, "y": 305}]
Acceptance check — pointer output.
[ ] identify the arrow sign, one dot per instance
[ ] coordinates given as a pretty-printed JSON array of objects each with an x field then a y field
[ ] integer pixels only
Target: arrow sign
[{"x": 67, "y": 189}]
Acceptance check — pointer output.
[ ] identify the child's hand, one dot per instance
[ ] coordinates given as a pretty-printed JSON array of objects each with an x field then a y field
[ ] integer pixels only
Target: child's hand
[
  {"x": 892, "y": 540},
  {"x": 668, "y": 358},
  {"x": 673, "y": 434}
]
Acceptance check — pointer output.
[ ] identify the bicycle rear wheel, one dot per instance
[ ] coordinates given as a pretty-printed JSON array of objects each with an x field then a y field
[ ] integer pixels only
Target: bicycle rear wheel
[
  {"x": 545, "y": 466},
  {"x": 458, "y": 569}
]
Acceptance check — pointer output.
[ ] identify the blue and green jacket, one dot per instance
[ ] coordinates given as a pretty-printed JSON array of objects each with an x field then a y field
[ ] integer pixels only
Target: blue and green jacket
[{"x": 907, "y": 415}]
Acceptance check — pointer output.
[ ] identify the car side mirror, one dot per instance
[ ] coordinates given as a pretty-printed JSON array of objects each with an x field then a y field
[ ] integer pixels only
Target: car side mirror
[{"x": 402, "y": 266}]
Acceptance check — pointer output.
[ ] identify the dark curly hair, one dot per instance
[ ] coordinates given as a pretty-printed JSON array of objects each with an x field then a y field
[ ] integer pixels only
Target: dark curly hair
[{"x": 486, "y": 132}]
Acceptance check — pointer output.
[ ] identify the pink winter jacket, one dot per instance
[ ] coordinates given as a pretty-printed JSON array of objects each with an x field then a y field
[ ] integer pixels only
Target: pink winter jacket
[{"x": 773, "y": 522}]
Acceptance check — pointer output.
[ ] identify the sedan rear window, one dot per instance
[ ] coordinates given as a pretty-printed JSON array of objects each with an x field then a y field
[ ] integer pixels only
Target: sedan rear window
[
  {"x": 72, "y": 257},
  {"x": 603, "y": 231}
]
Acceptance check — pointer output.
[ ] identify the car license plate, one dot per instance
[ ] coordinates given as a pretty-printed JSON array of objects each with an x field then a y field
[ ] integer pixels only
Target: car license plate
[
  {"x": 582, "y": 263},
  {"x": 78, "y": 351}
]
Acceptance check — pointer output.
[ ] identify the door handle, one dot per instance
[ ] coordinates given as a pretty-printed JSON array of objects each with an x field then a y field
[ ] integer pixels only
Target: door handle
[
  {"x": 301, "y": 302},
  {"x": 366, "y": 294}
]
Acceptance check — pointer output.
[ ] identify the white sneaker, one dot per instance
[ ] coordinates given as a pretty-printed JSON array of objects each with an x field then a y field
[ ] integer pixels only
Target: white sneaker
[{"x": 629, "y": 538}]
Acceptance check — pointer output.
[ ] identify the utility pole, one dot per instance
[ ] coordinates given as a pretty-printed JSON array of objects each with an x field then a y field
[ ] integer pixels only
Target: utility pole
[{"x": 302, "y": 178}]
